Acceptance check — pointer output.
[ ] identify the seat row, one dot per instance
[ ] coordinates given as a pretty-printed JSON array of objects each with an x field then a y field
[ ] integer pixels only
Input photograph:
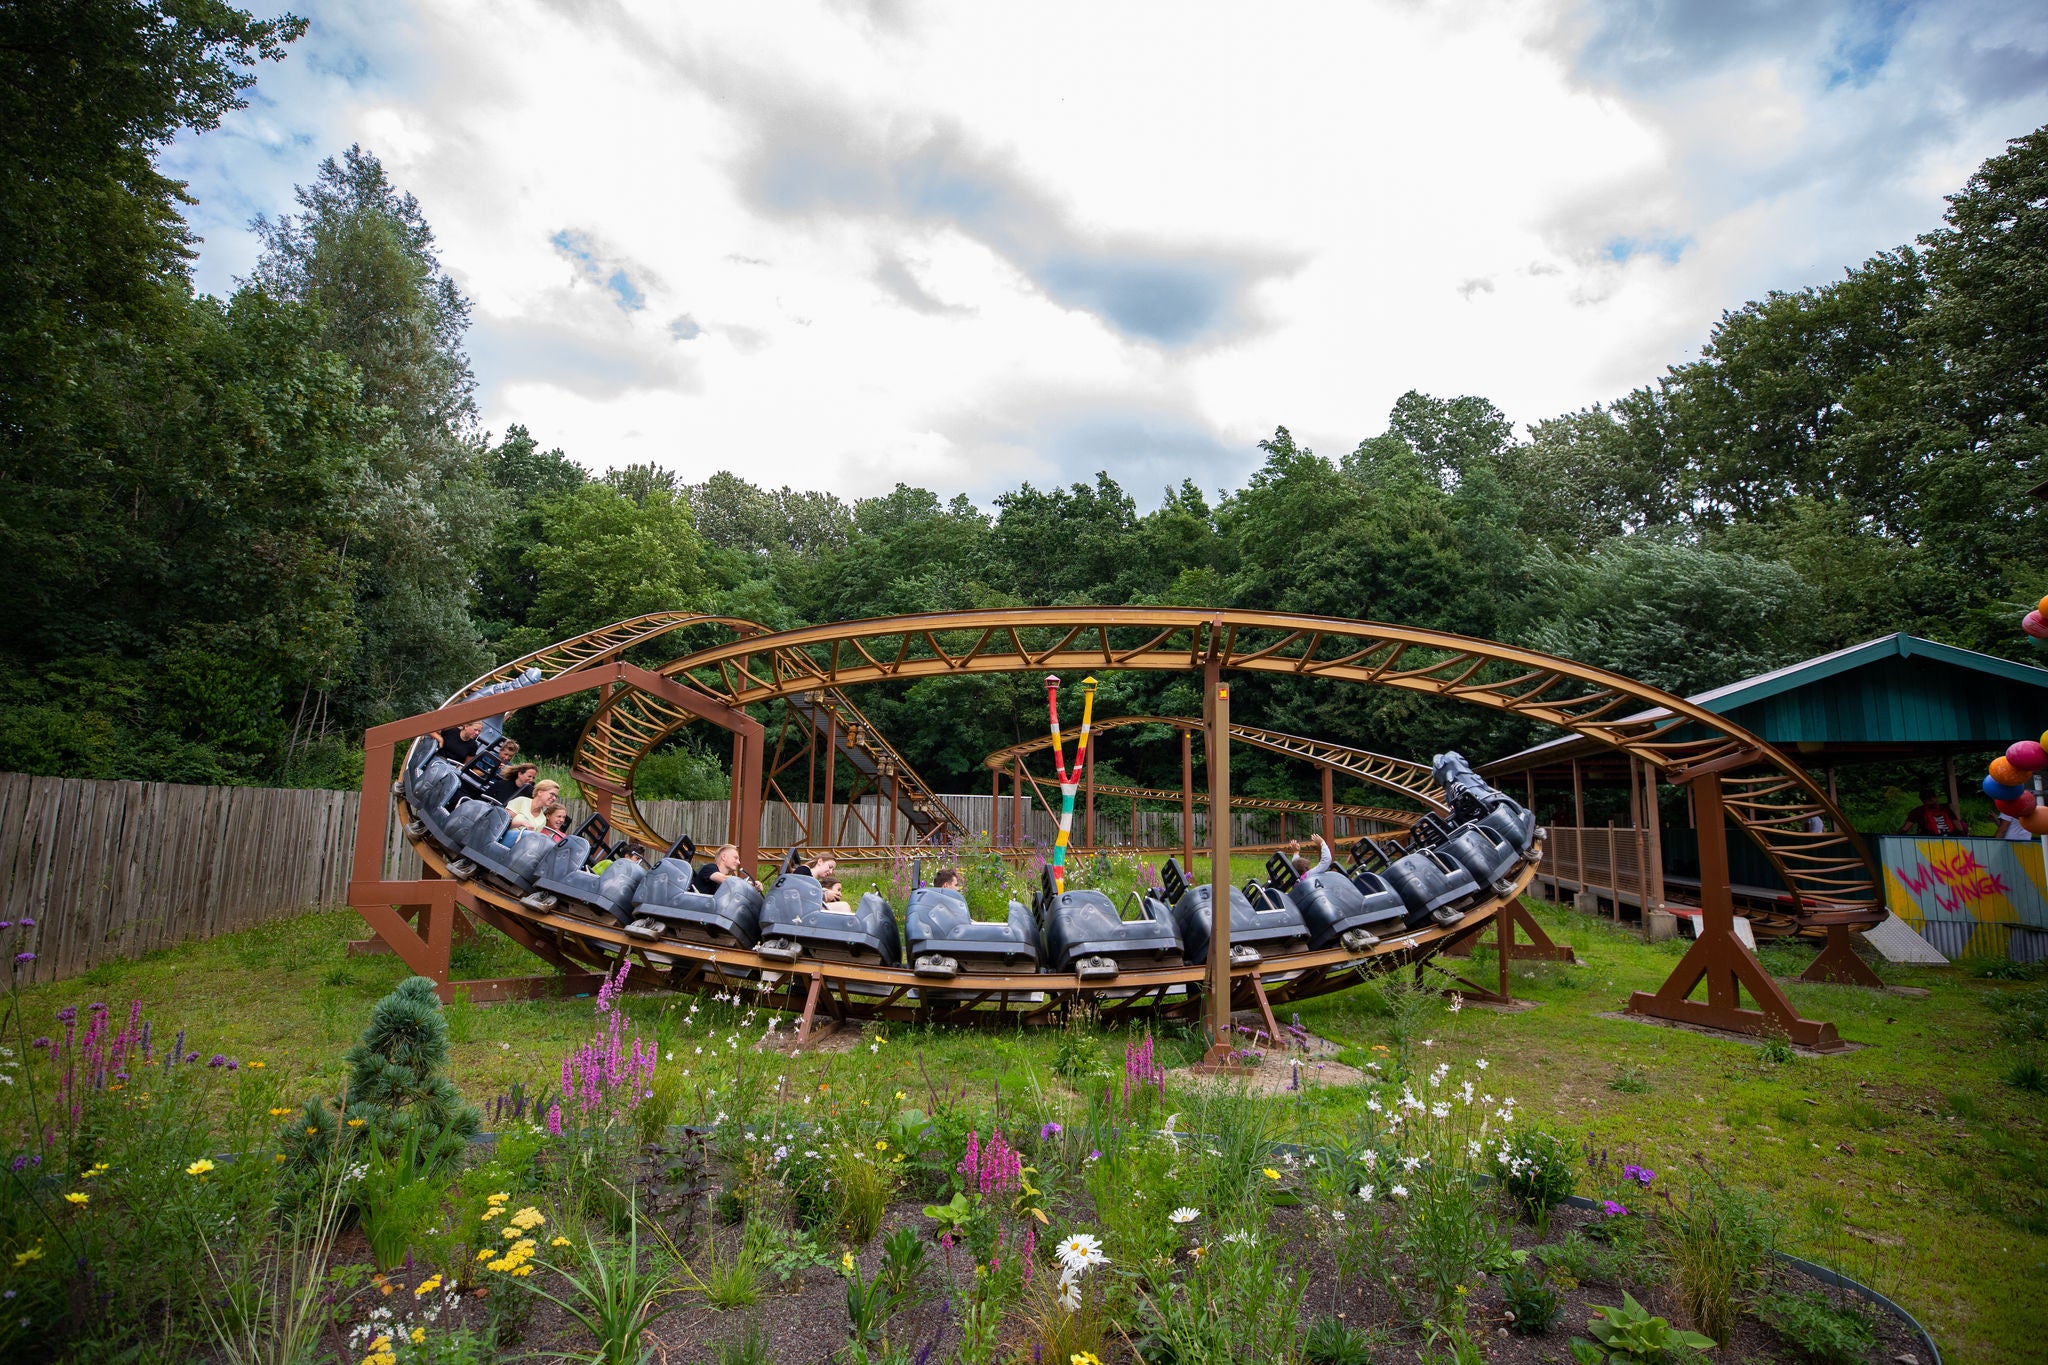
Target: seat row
[{"x": 1446, "y": 865}]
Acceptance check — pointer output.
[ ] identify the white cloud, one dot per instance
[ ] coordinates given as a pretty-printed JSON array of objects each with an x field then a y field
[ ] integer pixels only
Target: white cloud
[{"x": 841, "y": 245}]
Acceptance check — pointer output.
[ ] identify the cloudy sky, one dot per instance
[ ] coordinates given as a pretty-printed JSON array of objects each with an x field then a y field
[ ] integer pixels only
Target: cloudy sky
[{"x": 845, "y": 244}]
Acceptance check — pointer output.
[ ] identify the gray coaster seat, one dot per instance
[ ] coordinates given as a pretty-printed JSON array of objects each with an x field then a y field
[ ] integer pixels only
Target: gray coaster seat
[
  {"x": 1338, "y": 908},
  {"x": 1480, "y": 850},
  {"x": 565, "y": 874},
  {"x": 1472, "y": 799},
  {"x": 796, "y": 919},
  {"x": 1263, "y": 922},
  {"x": 513, "y": 856},
  {"x": 665, "y": 904},
  {"x": 945, "y": 940},
  {"x": 1434, "y": 888},
  {"x": 1084, "y": 934}
]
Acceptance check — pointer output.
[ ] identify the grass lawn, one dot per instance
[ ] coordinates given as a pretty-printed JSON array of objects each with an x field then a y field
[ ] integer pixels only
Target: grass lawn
[{"x": 1910, "y": 1162}]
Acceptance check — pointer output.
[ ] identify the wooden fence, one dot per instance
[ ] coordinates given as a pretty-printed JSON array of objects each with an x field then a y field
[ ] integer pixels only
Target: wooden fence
[{"x": 113, "y": 870}]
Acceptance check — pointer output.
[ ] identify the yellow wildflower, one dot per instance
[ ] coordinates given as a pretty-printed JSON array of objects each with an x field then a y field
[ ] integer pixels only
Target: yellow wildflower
[
  {"x": 559, "y": 1242},
  {"x": 255, "y": 1065},
  {"x": 76, "y": 1198},
  {"x": 311, "y": 1129},
  {"x": 280, "y": 1156},
  {"x": 279, "y": 1113},
  {"x": 881, "y": 1145},
  {"x": 496, "y": 1198},
  {"x": 522, "y": 1270},
  {"x": 1084, "y": 1358},
  {"x": 901, "y": 1096},
  {"x": 528, "y": 1218},
  {"x": 99, "y": 1168},
  {"x": 419, "y": 1334},
  {"x": 199, "y": 1167},
  {"x": 34, "y": 1253},
  {"x": 355, "y": 1123},
  {"x": 846, "y": 1262},
  {"x": 484, "y": 1255},
  {"x": 492, "y": 1212},
  {"x": 426, "y": 1286},
  {"x": 1270, "y": 1173}
]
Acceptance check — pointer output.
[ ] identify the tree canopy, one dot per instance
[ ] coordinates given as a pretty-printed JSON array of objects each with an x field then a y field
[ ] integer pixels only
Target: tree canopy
[{"x": 263, "y": 522}]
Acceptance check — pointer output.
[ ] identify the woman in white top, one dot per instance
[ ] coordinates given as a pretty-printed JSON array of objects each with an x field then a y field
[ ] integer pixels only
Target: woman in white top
[
  {"x": 2009, "y": 827},
  {"x": 523, "y": 808}
]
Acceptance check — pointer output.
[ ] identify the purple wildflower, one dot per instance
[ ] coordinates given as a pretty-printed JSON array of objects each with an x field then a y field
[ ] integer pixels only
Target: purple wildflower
[
  {"x": 24, "y": 957},
  {"x": 1612, "y": 1209},
  {"x": 1640, "y": 1174},
  {"x": 215, "y": 1060},
  {"x": 27, "y": 923},
  {"x": 555, "y": 1120},
  {"x": 1050, "y": 1130}
]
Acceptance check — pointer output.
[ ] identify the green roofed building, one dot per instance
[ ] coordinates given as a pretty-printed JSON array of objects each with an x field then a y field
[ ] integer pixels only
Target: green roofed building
[{"x": 1896, "y": 699}]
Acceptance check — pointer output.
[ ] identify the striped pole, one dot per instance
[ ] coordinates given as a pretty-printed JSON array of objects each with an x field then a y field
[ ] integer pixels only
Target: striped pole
[{"x": 1069, "y": 778}]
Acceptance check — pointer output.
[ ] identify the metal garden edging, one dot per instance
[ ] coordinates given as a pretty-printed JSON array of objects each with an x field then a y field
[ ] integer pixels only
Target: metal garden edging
[{"x": 1828, "y": 1277}]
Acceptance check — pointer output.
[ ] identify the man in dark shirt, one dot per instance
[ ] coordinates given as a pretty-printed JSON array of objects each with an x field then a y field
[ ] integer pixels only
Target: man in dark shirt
[
  {"x": 725, "y": 864},
  {"x": 458, "y": 743},
  {"x": 1933, "y": 819}
]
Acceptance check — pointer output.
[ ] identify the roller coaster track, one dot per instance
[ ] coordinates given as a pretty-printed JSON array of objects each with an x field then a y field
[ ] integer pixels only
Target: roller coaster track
[
  {"x": 1404, "y": 776},
  {"x": 611, "y": 747},
  {"x": 1384, "y": 814},
  {"x": 850, "y": 991},
  {"x": 1768, "y": 795}
]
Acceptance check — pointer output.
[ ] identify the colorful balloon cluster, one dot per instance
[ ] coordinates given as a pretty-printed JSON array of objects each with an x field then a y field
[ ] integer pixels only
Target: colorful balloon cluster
[
  {"x": 2035, "y": 622},
  {"x": 2006, "y": 783}
]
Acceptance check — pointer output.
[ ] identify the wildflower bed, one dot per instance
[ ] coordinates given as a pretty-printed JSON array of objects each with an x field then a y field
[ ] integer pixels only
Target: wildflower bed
[{"x": 675, "y": 1172}]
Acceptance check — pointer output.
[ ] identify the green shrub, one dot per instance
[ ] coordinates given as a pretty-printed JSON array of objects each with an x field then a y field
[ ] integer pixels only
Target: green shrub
[
  {"x": 1531, "y": 1300},
  {"x": 1539, "y": 1170},
  {"x": 1331, "y": 1342},
  {"x": 2027, "y": 1074},
  {"x": 1630, "y": 1080},
  {"x": 1824, "y": 1332},
  {"x": 397, "y": 1095}
]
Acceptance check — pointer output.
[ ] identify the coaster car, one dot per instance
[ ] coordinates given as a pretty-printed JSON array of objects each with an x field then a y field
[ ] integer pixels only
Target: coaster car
[
  {"x": 1337, "y": 907},
  {"x": 1472, "y": 799},
  {"x": 1263, "y": 921},
  {"x": 797, "y": 919},
  {"x": 513, "y": 856},
  {"x": 945, "y": 940},
  {"x": 1085, "y": 935},
  {"x": 565, "y": 874},
  {"x": 1480, "y": 850},
  {"x": 1434, "y": 888},
  {"x": 430, "y": 791},
  {"x": 665, "y": 904}
]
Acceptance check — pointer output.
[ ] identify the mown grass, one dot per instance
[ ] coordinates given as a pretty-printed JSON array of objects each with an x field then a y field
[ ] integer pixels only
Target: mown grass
[{"x": 1909, "y": 1162}]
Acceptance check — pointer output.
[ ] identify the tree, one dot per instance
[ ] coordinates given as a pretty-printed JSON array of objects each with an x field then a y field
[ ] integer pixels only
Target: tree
[
  {"x": 1672, "y": 614},
  {"x": 601, "y": 557},
  {"x": 362, "y": 253}
]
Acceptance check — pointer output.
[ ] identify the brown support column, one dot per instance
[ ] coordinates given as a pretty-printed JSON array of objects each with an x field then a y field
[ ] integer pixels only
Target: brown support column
[
  {"x": 995, "y": 806},
  {"x": 1578, "y": 797},
  {"x": 826, "y": 836},
  {"x": 1721, "y": 958},
  {"x": 895, "y": 805},
  {"x": 811, "y": 786},
  {"x": 1218, "y": 696},
  {"x": 1948, "y": 770},
  {"x": 747, "y": 798},
  {"x": 1831, "y": 788},
  {"x": 1656, "y": 824},
  {"x": 732, "y": 807},
  {"x": 1529, "y": 785},
  {"x": 1330, "y": 807},
  {"x": 1091, "y": 795},
  {"x": 1017, "y": 804},
  {"x": 1187, "y": 801}
]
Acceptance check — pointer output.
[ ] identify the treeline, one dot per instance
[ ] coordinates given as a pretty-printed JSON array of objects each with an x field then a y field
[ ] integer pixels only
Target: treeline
[{"x": 246, "y": 528}]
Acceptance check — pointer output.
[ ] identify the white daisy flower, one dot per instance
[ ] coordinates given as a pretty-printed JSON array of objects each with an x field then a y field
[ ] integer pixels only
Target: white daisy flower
[
  {"x": 1082, "y": 1251},
  {"x": 1183, "y": 1215}
]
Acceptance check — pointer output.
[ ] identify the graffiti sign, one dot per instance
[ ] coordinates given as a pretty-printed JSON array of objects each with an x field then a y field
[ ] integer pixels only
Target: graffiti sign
[{"x": 1967, "y": 896}]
